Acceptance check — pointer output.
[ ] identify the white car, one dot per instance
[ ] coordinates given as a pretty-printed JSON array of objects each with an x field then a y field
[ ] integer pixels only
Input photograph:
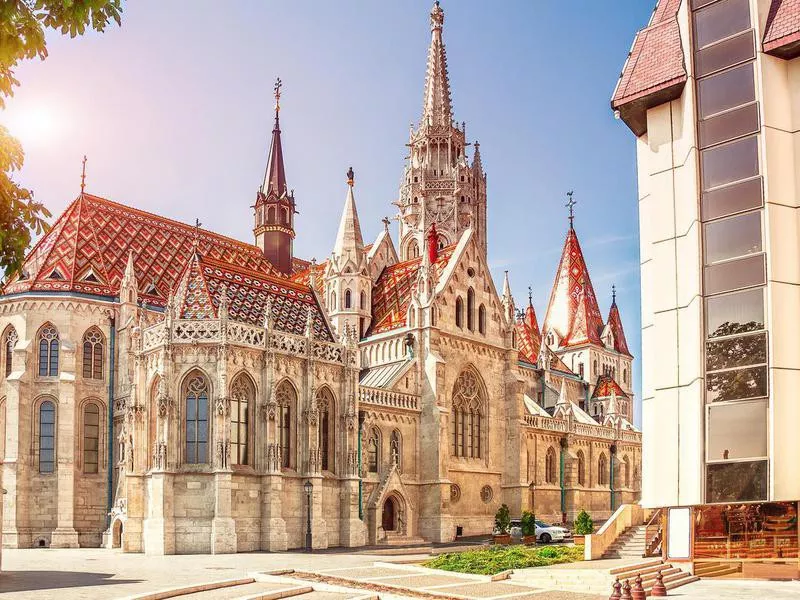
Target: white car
[{"x": 544, "y": 533}]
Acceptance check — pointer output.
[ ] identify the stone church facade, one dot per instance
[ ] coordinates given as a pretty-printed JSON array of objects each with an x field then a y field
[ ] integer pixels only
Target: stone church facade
[{"x": 170, "y": 390}]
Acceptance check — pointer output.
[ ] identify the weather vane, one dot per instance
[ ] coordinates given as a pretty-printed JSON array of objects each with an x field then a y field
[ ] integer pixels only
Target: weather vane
[
  {"x": 83, "y": 175},
  {"x": 530, "y": 295},
  {"x": 571, "y": 205},
  {"x": 197, "y": 225},
  {"x": 351, "y": 176},
  {"x": 613, "y": 293},
  {"x": 277, "y": 88}
]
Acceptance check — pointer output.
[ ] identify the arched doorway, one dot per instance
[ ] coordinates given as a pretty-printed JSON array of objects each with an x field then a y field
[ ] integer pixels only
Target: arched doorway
[
  {"x": 389, "y": 519},
  {"x": 116, "y": 534}
]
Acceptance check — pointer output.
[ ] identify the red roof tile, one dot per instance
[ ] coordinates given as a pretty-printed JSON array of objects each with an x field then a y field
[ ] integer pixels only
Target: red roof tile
[
  {"x": 654, "y": 72},
  {"x": 606, "y": 386},
  {"x": 98, "y": 235},
  {"x": 528, "y": 343},
  {"x": 303, "y": 276},
  {"x": 615, "y": 322},
  {"x": 782, "y": 33},
  {"x": 391, "y": 294}
]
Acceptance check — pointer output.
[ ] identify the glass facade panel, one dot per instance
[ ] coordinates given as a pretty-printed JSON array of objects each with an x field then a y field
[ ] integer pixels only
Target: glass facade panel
[
  {"x": 737, "y": 431},
  {"x": 735, "y": 313},
  {"x": 736, "y": 482},
  {"x": 732, "y": 237},
  {"x": 738, "y": 384},
  {"x": 726, "y": 90},
  {"x": 729, "y": 162},
  {"x": 754, "y": 531},
  {"x": 735, "y": 274},
  {"x": 732, "y": 199},
  {"x": 739, "y": 351},
  {"x": 725, "y": 54},
  {"x": 721, "y": 20},
  {"x": 729, "y": 125}
]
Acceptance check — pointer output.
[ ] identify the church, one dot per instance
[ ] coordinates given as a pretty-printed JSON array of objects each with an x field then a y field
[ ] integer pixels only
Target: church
[{"x": 165, "y": 389}]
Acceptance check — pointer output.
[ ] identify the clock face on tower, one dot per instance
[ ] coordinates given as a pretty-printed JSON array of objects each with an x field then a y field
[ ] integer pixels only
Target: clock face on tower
[{"x": 440, "y": 210}]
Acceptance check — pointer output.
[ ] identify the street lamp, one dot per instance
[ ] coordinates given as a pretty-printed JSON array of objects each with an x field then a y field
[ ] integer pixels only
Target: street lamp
[{"x": 309, "y": 488}]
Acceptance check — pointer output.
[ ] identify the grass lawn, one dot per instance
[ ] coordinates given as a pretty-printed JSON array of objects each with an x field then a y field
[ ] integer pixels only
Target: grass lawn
[{"x": 499, "y": 558}]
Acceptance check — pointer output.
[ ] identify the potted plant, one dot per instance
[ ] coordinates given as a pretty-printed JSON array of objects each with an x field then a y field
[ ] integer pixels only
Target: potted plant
[
  {"x": 502, "y": 526},
  {"x": 528, "y": 526},
  {"x": 583, "y": 526}
]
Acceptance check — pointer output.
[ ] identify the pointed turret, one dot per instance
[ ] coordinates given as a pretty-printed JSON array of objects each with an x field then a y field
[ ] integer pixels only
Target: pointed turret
[
  {"x": 348, "y": 286},
  {"x": 128, "y": 286},
  {"x": 275, "y": 206},
  {"x": 437, "y": 109},
  {"x": 507, "y": 299},
  {"x": 614, "y": 323},
  {"x": 477, "y": 163},
  {"x": 530, "y": 317}
]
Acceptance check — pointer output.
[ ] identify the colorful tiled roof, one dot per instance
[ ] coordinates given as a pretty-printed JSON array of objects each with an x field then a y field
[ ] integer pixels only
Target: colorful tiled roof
[
  {"x": 615, "y": 322},
  {"x": 391, "y": 294},
  {"x": 303, "y": 277},
  {"x": 782, "y": 33},
  {"x": 205, "y": 280},
  {"x": 87, "y": 249},
  {"x": 654, "y": 71},
  {"x": 572, "y": 311},
  {"x": 606, "y": 386},
  {"x": 528, "y": 342}
]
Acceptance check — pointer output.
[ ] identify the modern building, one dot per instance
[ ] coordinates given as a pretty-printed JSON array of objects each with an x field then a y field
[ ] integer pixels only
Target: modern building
[
  {"x": 185, "y": 392},
  {"x": 711, "y": 90}
]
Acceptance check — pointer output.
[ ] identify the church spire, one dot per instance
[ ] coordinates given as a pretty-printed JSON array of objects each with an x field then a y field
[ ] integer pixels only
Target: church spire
[
  {"x": 349, "y": 243},
  {"x": 275, "y": 177},
  {"x": 437, "y": 108}
]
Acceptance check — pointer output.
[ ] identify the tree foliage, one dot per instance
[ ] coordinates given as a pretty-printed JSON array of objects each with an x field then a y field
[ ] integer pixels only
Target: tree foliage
[
  {"x": 22, "y": 36},
  {"x": 584, "y": 524}
]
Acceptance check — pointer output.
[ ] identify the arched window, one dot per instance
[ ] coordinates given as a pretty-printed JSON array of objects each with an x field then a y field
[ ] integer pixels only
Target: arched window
[
  {"x": 326, "y": 428},
  {"x": 482, "y": 319},
  {"x": 286, "y": 397},
  {"x": 271, "y": 214},
  {"x": 581, "y": 468},
  {"x": 373, "y": 450},
  {"x": 242, "y": 395},
  {"x": 627, "y": 471},
  {"x": 48, "y": 351},
  {"x": 47, "y": 437},
  {"x": 348, "y": 299},
  {"x": 196, "y": 395},
  {"x": 471, "y": 309},
  {"x": 93, "y": 354},
  {"x": 459, "y": 312},
  {"x": 467, "y": 416},
  {"x": 396, "y": 449},
  {"x": 602, "y": 470},
  {"x": 550, "y": 469},
  {"x": 413, "y": 249},
  {"x": 9, "y": 342},
  {"x": 333, "y": 301},
  {"x": 91, "y": 437},
  {"x": 625, "y": 376},
  {"x": 285, "y": 215},
  {"x": 363, "y": 300},
  {"x": 594, "y": 370}
]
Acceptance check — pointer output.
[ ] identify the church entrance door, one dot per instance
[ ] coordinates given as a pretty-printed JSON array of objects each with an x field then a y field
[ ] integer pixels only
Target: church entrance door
[{"x": 389, "y": 512}]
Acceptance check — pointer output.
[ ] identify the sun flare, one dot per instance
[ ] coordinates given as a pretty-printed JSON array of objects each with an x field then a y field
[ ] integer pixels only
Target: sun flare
[{"x": 33, "y": 124}]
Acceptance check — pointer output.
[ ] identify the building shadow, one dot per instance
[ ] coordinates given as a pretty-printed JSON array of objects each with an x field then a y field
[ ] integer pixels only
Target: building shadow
[{"x": 23, "y": 581}]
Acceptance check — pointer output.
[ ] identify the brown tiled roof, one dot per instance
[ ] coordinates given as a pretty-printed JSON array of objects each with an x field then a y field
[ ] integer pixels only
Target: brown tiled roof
[
  {"x": 654, "y": 72},
  {"x": 782, "y": 33}
]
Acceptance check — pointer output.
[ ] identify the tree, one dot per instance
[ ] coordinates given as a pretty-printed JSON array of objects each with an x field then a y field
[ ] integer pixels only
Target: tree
[
  {"x": 22, "y": 36},
  {"x": 584, "y": 524}
]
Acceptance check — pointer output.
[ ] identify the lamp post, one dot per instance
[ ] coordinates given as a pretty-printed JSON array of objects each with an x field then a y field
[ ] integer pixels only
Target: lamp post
[{"x": 309, "y": 489}]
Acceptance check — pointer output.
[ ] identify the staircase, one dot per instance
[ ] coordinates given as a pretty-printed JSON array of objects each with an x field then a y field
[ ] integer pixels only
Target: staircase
[
  {"x": 630, "y": 544},
  {"x": 715, "y": 569},
  {"x": 394, "y": 538},
  {"x": 672, "y": 577}
]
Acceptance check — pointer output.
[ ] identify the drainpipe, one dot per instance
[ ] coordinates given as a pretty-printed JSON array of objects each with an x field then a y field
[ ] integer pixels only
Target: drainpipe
[
  {"x": 613, "y": 450},
  {"x": 561, "y": 478},
  {"x": 361, "y": 416},
  {"x": 110, "y": 436}
]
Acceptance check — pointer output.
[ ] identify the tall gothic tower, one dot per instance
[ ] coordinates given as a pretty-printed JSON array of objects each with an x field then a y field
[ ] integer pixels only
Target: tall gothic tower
[
  {"x": 440, "y": 186},
  {"x": 275, "y": 208}
]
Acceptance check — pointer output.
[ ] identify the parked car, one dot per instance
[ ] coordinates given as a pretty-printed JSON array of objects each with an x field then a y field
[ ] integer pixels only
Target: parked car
[{"x": 544, "y": 533}]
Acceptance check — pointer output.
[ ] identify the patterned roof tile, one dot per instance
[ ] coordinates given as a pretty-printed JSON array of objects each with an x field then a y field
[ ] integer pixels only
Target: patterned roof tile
[
  {"x": 782, "y": 33},
  {"x": 606, "y": 386},
  {"x": 615, "y": 322}
]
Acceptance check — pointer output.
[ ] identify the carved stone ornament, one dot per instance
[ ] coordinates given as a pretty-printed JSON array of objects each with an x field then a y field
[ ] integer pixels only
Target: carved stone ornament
[
  {"x": 271, "y": 410},
  {"x": 222, "y": 405},
  {"x": 312, "y": 416}
]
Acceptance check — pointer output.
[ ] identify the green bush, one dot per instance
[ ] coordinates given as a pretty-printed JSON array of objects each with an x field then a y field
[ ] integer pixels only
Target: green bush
[
  {"x": 500, "y": 558},
  {"x": 584, "y": 524},
  {"x": 502, "y": 520},
  {"x": 528, "y": 523}
]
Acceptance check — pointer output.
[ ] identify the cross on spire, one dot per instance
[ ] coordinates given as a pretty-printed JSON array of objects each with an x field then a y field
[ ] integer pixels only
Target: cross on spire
[
  {"x": 613, "y": 293},
  {"x": 386, "y": 222},
  {"x": 277, "y": 90},
  {"x": 530, "y": 295},
  {"x": 83, "y": 175},
  {"x": 571, "y": 202},
  {"x": 196, "y": 234}
]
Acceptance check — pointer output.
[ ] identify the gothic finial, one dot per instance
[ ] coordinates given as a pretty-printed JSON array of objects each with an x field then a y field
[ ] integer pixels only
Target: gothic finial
[
  {"x": 386, "y": 222},
  {"x": 277, "y": 89},
  {"x": 196, "y": 234},
  {"x": 613, "y": 293},
  {"x": 530, "y": 295},
  {"x": 351, "y": 177},
  {"x": 571, "y": 202},
  {"x": 437, "y": 16},
  {"x": 83, "y": 175}
]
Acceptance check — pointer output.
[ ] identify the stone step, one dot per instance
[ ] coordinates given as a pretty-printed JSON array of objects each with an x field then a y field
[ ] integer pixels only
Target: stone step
[
  {"x": 402, "y": 540},
  {"x": 717, "y": 570}
]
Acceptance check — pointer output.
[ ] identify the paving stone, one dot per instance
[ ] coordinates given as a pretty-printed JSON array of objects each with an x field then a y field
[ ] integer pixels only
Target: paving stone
[
  {"x": 486, "y": 589},
  {"x": 238, "y": 591},
  {"x": 364, "y": 573},
  {"x": 416, "y": 582}
]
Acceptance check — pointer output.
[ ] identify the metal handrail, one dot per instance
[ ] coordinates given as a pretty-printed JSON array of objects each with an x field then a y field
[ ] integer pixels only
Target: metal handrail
[{"x": 654, "y": 534}]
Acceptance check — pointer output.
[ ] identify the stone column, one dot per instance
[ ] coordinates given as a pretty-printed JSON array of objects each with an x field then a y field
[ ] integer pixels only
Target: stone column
[
  {"x": 12, "y": 470},
  {"x": 65, "y": 536},
  {"x": 223, "y": 527},
  {"x": 159, "y": 526},
  {"x": 273, "y": 527}
]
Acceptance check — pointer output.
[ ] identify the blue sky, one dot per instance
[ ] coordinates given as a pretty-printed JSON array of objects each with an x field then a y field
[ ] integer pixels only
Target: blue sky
[{"x": 174, "y": 110}]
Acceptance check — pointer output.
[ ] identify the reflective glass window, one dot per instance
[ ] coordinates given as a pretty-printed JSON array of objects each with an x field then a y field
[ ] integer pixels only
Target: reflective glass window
[
  {"x": 732, "y": 199},
  {"x": 736, "y": 482},
  {"x": 725, "y": 54},
  {"x": 729, "y": 162},
  {"x": 737, "y": 384},
  {"x": 732, "y": 237},
  {"x": 734, "y": 274},
  {"x": 739, "y": 312},
  {"x": 726, "y": 90},
  {"x": 737, "y": 431},
  {"x": 721, "y": 20}
]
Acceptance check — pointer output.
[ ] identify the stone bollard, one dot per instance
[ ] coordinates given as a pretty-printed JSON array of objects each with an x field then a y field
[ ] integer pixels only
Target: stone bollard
[
  {"x": 658, "y": 588},
  {"x": 626, "y": 591},
  {"x": 615, "y": 595},
  {"x": 638, "y": 593}
]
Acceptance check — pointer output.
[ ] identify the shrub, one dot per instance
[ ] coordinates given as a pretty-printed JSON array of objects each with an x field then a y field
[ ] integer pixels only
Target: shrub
[
  {"x": 528, "y": 523},
  {"x": 500, "y": 558},
  {"x": 584, "y": 524},
  {"x": 502, "y": 520}
]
